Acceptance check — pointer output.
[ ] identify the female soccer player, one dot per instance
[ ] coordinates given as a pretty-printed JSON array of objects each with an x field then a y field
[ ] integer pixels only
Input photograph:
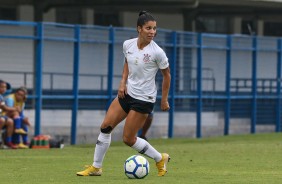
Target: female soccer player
[
  {"x": 136, "y": 96},
  {"x": 5, "y": 122},
  {"x": 16, "y": 101}
]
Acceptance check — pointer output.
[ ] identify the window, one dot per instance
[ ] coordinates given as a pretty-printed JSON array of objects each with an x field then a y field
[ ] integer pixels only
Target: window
[
  {"x": 69, "y": 15},
  {"x": 273, "y": 28},
  {"x": 107, "y": 19},
  {"x": 213, "y": 24},
  {"x": 248, "y": 27},
  {"x": 8, "y": 14}
]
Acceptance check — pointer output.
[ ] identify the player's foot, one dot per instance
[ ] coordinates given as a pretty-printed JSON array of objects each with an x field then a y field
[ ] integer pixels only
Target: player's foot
[
  {"x": 26, "y": 143},
  {"x": 11, "y": 145},
  {"x": 20, "y": 131},
  {"x": 22, "y": 146},
  {"x": 161, "y": 165},
  {"x": 90, "y": 171}
]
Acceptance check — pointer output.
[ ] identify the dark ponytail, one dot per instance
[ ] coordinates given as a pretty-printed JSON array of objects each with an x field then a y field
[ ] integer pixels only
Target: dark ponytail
[
  {"x": 144, "y": 17},
  {"x": 142, "y": 12}
]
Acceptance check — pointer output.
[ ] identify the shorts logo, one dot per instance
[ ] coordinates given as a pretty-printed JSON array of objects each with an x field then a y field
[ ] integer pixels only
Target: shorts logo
[{"x": 146, "y": 58}]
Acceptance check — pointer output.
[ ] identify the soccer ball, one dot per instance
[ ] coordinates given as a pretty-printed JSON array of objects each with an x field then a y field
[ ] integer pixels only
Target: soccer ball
[{"x": 136, "y": 167}]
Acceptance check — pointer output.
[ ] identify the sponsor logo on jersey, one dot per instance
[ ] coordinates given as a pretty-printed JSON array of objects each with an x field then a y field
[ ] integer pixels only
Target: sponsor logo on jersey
[{"x": 146, "y": 58}]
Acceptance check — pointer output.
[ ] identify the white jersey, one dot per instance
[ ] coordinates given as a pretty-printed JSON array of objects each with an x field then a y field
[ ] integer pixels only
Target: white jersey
[
  {"x": 2, "y": 102},
  {"x": 143, "y": 66}
]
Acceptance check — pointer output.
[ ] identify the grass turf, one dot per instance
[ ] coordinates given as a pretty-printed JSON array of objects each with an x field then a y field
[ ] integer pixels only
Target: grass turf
[{"x": 228, "y": 159}]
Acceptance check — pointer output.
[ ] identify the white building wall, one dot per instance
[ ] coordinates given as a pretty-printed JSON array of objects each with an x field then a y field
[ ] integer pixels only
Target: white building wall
[
  {"x": 58, "y": 56},
  {"x": 16, "y": 55},
  {"x": 57, "y": 123},
  {"x": 164, "y": 21},
  {"x": 50, "y": 16},
  {"x": 236, "y": 25},
  {"x": 260, "y": 27},
  {"x": 25, "y": 13},
  {"x": 89, "y": 16}
]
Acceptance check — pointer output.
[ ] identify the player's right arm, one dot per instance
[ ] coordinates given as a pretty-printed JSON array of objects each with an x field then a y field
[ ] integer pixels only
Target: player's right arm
[
  {"x": 9, "y": 107},
  {"x": 122, "y": 90}
]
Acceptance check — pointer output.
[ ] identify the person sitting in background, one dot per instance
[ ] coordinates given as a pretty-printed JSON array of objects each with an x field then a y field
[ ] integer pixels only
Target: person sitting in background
[
  {"x": 17, "y": 101},
  {"x": 5, "y": 122}
]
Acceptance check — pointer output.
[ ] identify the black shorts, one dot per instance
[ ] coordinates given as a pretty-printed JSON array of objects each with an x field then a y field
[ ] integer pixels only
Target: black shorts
[
  {"x": 128, "y": 103},
  {"x": 5, "y": 117}
]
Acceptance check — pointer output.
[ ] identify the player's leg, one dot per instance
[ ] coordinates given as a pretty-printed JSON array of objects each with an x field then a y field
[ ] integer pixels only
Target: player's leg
[
  {"x": 134, "y": 122},
  {"x": 2, "y": 120},
  {"x": 25, "y": 124},
  {"x": 9, "y": 125},
  {"x": 114, "y": 116},
  {"x": 18, "y": 131},
  {"x": 18, "y": 125},
  {"x": 146, "y": 126},
  {"x": 24, "y": 144}
]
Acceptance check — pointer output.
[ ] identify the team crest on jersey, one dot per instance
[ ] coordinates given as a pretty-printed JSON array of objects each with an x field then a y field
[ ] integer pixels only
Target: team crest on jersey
[{"x": 146, "y": 58}]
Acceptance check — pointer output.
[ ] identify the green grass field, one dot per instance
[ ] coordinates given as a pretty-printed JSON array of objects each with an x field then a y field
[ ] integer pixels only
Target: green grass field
[{"x": 228, "y": 159}]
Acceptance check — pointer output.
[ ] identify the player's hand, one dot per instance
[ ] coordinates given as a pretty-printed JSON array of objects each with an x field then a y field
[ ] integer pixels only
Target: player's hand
[
  {"x": 18, "y": 108},
  {"x": 122, "y": 91},
  {"x": 165, "y": 105},
  {"x": 27, "y": 123}
]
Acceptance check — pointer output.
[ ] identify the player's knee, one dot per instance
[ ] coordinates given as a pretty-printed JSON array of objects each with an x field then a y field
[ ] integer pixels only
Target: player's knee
[
  {"x": 107, "y": 130},
  {"x": 128, "y": 141},
  {"x": 10, "y": 122}
]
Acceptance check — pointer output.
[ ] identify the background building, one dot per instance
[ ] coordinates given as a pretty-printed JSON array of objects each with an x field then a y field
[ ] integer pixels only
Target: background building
[
  {"x": 221, "y": 81},
  {"x": 261, "y": 17}
]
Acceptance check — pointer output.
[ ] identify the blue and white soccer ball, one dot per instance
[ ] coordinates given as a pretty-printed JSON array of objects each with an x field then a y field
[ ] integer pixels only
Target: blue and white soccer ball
[{"x": 136, "y": 167}]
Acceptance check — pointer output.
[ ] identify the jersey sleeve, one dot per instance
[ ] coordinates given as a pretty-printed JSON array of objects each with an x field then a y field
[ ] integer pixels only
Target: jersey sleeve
[
  {"x": 162, "y": 60},
  {"x": 9, "y": 102}
]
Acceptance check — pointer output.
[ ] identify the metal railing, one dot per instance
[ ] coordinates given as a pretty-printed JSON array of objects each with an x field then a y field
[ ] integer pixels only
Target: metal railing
[{"x": 223, "y": 54}]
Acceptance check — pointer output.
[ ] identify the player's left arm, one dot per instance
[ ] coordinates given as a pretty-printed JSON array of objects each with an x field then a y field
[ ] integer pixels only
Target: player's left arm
[
  {"x": 165, "y": 88},
  {"x": 24, "y": 118},
  {"x": 22, "y": 110}
]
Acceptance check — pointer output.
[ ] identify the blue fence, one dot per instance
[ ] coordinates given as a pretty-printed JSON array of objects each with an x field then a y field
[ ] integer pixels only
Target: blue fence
[{"x": 235, "y": 74}]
